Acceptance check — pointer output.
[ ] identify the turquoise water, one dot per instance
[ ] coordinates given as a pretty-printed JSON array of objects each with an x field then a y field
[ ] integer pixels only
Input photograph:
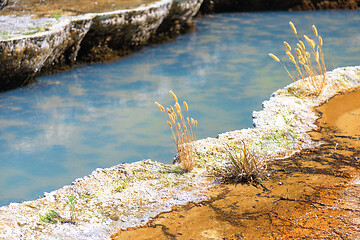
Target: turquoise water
[{"x": 66, "y": 125}]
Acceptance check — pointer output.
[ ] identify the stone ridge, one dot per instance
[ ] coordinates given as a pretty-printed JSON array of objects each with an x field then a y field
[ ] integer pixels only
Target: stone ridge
[
  {"x": 129, "y": 195},
  {"x": 50, "y": 44}
]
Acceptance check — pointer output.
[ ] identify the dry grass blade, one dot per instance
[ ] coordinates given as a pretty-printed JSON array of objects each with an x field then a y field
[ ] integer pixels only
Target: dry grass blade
[
  {"x": 246, "y": 165},
  {"x": 182, "y": 132}
]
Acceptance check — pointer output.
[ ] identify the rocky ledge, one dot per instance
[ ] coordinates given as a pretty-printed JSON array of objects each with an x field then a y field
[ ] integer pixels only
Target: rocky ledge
[
  {"x": 129, "y": 195},
  {"x": 30, "y": 46}
]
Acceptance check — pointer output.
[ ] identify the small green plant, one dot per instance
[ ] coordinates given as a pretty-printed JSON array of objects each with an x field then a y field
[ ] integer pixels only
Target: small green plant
[
  {"x": 182, "y": 132},
  {"x": 71, "y": 202},
  {"x": 293, "y": 135},
  {"x": 122, "y": 184},
  {"x": 84, "y": 196},
  {"x": 4, "y": 34},
  {"x": 57, "y": 14},
  {"x": 246, "y": 165},
  {"x": 49, "y": 217},
  {"x": 276, "y": 136},
  {"x": 293, "y": 91},
  {"x": 312, "y": 72},
  {"x": 173, "y": 169},
  {"x": 283, "y": 138},
  {"x": 33, "y": 30}
]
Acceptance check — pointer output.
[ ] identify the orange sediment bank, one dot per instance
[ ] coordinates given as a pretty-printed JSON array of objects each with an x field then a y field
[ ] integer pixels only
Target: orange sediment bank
[
  {"x": 343, "y": 113},
  {"x": 313, "y": 194}
]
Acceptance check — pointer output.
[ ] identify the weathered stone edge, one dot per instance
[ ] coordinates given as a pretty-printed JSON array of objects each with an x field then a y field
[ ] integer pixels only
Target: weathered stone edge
[{"x": 87, "y": 36}]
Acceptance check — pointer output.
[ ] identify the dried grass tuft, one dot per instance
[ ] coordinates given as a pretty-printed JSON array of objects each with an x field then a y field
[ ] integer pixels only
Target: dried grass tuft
[
  {"x": 182, "y": 131},
  {"x": 246, "y": 165}
]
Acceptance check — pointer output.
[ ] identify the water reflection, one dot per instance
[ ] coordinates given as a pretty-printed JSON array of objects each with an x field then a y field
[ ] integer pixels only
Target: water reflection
[{"x": 68, "y": 124}]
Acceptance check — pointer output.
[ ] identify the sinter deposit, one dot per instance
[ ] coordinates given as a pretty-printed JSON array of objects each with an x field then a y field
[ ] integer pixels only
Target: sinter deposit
[{"x": 128, "y": 195}]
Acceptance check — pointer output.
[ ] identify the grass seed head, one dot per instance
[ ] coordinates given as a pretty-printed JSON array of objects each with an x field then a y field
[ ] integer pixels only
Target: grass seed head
[
  {"x": 310, "y": 41},
  {"x": 302, "y": 45},
  {"x": 301, "y": 60},
  {"x": 293, "y": 27},
  {"x": 287, "y": 46},
  {"x": 289, "y": 54},
  {"x": 177, "y": 107},
  {"x": 315, "y": 30},
  {"x": 274, "y": 57},
  {"x": 160, "y": 107},
  {"x": 174, "y": 96},
  {"x": 291, "y": 57},
  {"x": 172, "y": 118},
  {"x": 186, "y": 106},
  {"x": 312, "y": 44}
]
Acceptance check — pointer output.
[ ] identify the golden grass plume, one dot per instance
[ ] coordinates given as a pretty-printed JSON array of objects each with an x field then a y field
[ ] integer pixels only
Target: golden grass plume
[
  {"x": 182, "y": 131},
  {"x": 309, "y": 63}
]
